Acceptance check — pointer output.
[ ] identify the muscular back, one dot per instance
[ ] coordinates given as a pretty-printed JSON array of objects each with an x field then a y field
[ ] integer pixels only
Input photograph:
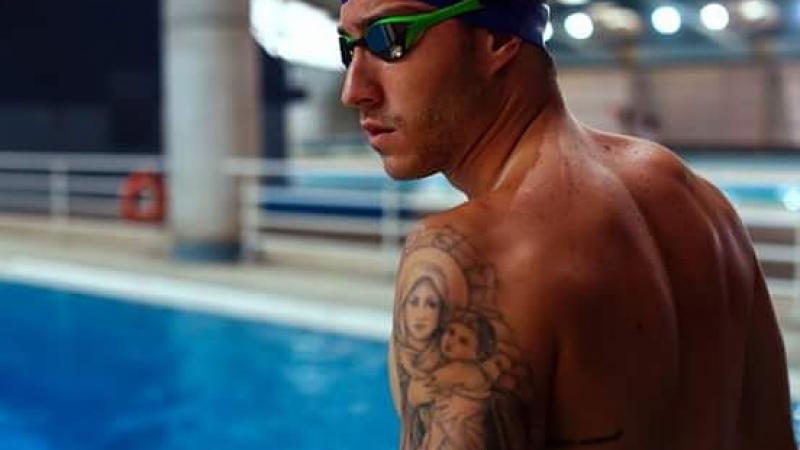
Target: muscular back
[{"x": 609, "y": 300}]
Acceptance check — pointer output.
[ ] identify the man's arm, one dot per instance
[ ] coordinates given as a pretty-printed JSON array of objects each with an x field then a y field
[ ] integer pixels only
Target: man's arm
[
  {"x": 766, "y": 418},
  {"x": 458, "y": 376}
]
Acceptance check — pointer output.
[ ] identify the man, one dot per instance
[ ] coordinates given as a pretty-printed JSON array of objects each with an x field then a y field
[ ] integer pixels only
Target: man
[{"x": 592, "y": 292}]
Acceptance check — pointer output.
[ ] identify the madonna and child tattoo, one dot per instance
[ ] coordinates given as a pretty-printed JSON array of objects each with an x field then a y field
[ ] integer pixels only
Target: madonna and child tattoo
[{"x": 463, "y": 384}]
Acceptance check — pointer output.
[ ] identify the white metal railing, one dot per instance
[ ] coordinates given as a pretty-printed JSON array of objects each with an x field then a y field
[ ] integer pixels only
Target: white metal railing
[
  {"x": 309, "y": 205},
  {"x": 759, "y": 217},
  {"x": 264, "y": 228},
  {"x": 788, "y": 253},
  {"x": 340, "y": 207},
  {"x": 62, "y": 185}
]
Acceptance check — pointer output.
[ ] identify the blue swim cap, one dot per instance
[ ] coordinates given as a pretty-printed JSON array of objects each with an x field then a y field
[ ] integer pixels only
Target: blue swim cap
[{"x": 524, "y": 18}]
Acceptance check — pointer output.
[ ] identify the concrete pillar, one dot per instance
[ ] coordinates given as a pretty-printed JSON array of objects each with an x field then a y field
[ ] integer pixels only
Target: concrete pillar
[
  {"x": 212, "y": 112},
  {"x": 774, "y": 118},
  {"x": 640, "y": 117},
  {"x": 776, "y": 130}
]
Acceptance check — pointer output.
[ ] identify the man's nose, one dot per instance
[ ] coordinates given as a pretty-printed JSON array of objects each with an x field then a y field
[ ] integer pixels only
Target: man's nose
[{"x": 361, "y": 88}]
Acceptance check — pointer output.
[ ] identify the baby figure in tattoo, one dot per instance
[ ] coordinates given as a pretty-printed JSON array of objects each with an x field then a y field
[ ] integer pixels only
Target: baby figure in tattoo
[{"x": 461, "y": 384}]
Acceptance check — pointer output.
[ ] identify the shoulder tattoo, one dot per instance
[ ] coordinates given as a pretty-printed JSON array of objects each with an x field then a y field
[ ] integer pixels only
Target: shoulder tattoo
[{"x": 462, "y": 381}]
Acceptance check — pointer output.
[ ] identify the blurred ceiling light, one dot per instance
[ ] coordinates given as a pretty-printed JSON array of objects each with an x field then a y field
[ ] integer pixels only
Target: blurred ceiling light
[
  {"x": 715, "y": 17},
  {"x": 666, "y": 20},
  {"x": 615, "y": 22},
  {"x": 754, "y": 10},
  {"x": 573, "y": 2},
  {"x": 548, "y": 32},
  {"x": 579, "y": 25},
  {"x": 296, "y": 32},
  {"x": 796, "y": 14},
  {"x": 791, "y": 198},
  {"x": 758, "y": 15}
]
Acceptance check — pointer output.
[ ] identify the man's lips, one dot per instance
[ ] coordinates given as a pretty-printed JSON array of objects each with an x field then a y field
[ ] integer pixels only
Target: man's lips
[{"x": 375, "y": 129}]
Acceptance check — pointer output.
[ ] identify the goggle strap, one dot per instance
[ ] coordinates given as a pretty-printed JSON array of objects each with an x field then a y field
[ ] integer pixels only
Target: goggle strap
[{"x": 418, "y": 23}]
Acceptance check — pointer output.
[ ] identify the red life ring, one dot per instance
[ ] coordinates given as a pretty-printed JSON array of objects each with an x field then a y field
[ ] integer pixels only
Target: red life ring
[{"x": 139, "y": 186}]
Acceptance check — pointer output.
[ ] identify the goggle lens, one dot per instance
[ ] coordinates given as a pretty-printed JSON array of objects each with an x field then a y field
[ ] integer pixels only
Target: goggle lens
[
  {"x": 380, "y": 40},
  {"x": 346, "y": 50},
  {"x": 385, "y": 41},
  {"x": 391, "y": 37}
]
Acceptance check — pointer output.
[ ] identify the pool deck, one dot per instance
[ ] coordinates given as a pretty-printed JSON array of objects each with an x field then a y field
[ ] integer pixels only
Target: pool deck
[{"x": 132, "y": 262}]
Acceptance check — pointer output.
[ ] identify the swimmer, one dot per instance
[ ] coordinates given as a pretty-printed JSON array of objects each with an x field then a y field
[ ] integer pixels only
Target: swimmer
[{"x": 622, "y": 286}]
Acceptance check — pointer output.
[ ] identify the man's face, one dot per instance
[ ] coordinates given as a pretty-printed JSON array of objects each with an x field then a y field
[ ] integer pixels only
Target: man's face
[{"x": 415, "y": 111}]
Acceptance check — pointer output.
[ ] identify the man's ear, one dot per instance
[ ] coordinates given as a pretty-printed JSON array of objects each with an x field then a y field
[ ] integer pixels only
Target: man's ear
[{"x": 501, "y": 48}]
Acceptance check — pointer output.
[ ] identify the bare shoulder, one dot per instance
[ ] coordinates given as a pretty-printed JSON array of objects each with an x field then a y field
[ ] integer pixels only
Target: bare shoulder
[
  {"x": 646, "y": 162},
  {"x": 657, "y": 176},
  {"x": 496, "y": 245}
]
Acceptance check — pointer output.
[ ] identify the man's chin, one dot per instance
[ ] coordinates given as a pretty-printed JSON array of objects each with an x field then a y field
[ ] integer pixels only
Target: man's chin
[{"x": 402, "y": 171}]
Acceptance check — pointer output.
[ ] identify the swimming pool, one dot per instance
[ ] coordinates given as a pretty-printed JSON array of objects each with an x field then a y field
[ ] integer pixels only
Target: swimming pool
[{"x": 80, "y": 372}]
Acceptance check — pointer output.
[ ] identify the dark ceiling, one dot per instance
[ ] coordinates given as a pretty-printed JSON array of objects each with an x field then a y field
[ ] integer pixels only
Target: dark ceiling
[{"x": 65, "y": 50}]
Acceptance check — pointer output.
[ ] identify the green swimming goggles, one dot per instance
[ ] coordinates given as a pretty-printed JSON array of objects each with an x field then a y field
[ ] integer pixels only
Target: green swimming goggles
[{"x": 392, "y": 37}]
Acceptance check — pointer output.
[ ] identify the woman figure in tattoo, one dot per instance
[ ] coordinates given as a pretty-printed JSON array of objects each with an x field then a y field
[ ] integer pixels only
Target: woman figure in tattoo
[
  {"x": 420, "y": 321},
  {"x": 461, "y": 385}
]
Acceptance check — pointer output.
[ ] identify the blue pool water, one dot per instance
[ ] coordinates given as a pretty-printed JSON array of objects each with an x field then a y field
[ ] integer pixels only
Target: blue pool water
[{"x": 78, "y": 372}]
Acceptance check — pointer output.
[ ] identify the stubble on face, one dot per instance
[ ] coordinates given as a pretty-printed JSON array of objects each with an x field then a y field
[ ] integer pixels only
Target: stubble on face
[
  {"x": 439, "y": 132},
  {"x": 433, "y": 142}
]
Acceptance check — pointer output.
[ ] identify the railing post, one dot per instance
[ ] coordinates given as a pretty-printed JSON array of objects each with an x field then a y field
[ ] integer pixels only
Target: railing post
[
  {"x": 796, "y": 278},
  {"x": 250, "y": 198},
  {"x": 59, "y": 192},
  {"x": 390, "y": 217}
]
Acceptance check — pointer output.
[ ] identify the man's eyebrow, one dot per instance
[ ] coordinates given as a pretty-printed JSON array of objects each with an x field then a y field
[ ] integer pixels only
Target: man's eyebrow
[{"x": 398, "y": 10}]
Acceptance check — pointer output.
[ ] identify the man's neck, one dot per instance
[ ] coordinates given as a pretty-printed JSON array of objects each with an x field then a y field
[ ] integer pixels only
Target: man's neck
[{"x": 511, "y": 145}]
